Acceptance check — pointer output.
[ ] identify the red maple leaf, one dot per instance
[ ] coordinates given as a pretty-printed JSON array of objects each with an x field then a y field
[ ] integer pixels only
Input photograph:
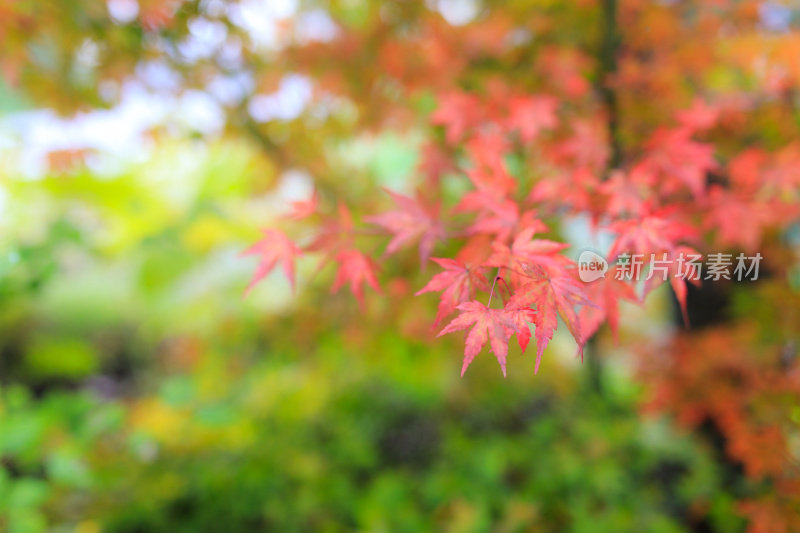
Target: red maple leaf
[
  {"x": 746, "y": 171},
  {"x": 336, "y": 233},
  {"x": 675, "y": 161},
  {"x": 575, "y": 189},
  {"x": 653, "y": 233},
  {"x": 679, "y": 270},
  {"x": 459, "y": 283},
  {"x": 726, "y": 212},
  {"x": 587, "y": 147},
  {"x": 625, "y": 195},
  {"x": 304, "y": 208},
  {"x": 434, "y": 163},
  {"x": 783, "y": 173},
  {"x": 489, "y": 173},
  {"x": 526, "y": 252},
  {"x": 356, "y": 269},
  {"x": 457, "y": 112},
  {"x": 493, "y": 325},
  {"x": 552, "y": 296},
  {"x": 656, "y": 238},
  {"x": 412, "y": 221},
  {"x": 522, "y": 317},
  {"x": 500, "y": 218},
  {"x": 529, "y": 115},
  {"x": 699, "y": 117},
  {"x": 488, "y": 148},
  {"x": 606, "y": 292},
  {"x": 275, "y": 247}
]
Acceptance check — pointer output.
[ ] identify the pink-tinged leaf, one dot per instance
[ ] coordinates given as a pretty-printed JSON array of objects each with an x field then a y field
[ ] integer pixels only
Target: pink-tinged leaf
[
  {"x": 649, "y": 234},
  {"x": 495, "y": 215},
  {"x": 459, "y": 283},
  {"x": 435, "y": 163},
  {"x": 545, "y": 323},
  {"x": 783, "y": 172},
  {"x": 699, "y": 117},
  {"x": 522, "y": 317},
  {"x": 411, "y": 221},
  {"x": 336, "y": 234},
  {"x": 529, "y": 115},
  {"x": 487, "y": 324},
  {"x": 679, "y": 270},
  {"x": 625, "y": 195},
  {"x": 586, "y": 148},
  {"x": 488, "y": 172},
  {"x": 678, "y": 162},
  {"x": 356, "y": 269},
  {"x": 553, "y": 296},
  {"x": 679, "y": 283},
  {"x": 275, "y": 247},
  {"x": 746, "y": 171},
  {"x": 725, "y": 212},
  {"x": 606, "y": 292},
  {"x": 574, "y": 189},
  {"x": 458, "y": 112},
  {"x": 679, "y": 287},
  {"x": 487, "y": 150},
  {"x": 525, "y": 253},
  {"x": 304, "y": 208},
  {"x": 500, "y": 218}
]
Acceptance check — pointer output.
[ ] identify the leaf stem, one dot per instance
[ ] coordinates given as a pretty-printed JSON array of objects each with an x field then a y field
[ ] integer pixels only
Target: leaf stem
[
  {"x": 491, "y": 293},
  {"x": 505, "y": 283}
]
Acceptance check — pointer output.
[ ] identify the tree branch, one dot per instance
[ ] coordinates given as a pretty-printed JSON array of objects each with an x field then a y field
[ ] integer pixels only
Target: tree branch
[{"x": 611, "y": 40}]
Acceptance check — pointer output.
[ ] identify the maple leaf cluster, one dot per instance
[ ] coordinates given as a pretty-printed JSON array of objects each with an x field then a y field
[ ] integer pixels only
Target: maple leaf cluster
[
  {"x": 659, "y": 203},
  {"x": 742, "y": 389},
  {"x": 506, "y": 275}
]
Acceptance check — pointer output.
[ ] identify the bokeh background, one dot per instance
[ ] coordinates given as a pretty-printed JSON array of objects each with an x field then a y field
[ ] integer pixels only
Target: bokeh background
[{"x": 144, "y": 144}]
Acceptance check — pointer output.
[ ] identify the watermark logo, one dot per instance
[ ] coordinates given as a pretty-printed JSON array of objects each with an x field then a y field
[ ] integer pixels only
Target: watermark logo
[
  {"x": 663, "y": 266},
  {"x": 591, "y": 266}
]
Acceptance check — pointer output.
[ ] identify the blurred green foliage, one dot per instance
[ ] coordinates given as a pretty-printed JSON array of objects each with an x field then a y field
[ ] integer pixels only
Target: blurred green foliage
[{"x": 291, "y": 445}]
